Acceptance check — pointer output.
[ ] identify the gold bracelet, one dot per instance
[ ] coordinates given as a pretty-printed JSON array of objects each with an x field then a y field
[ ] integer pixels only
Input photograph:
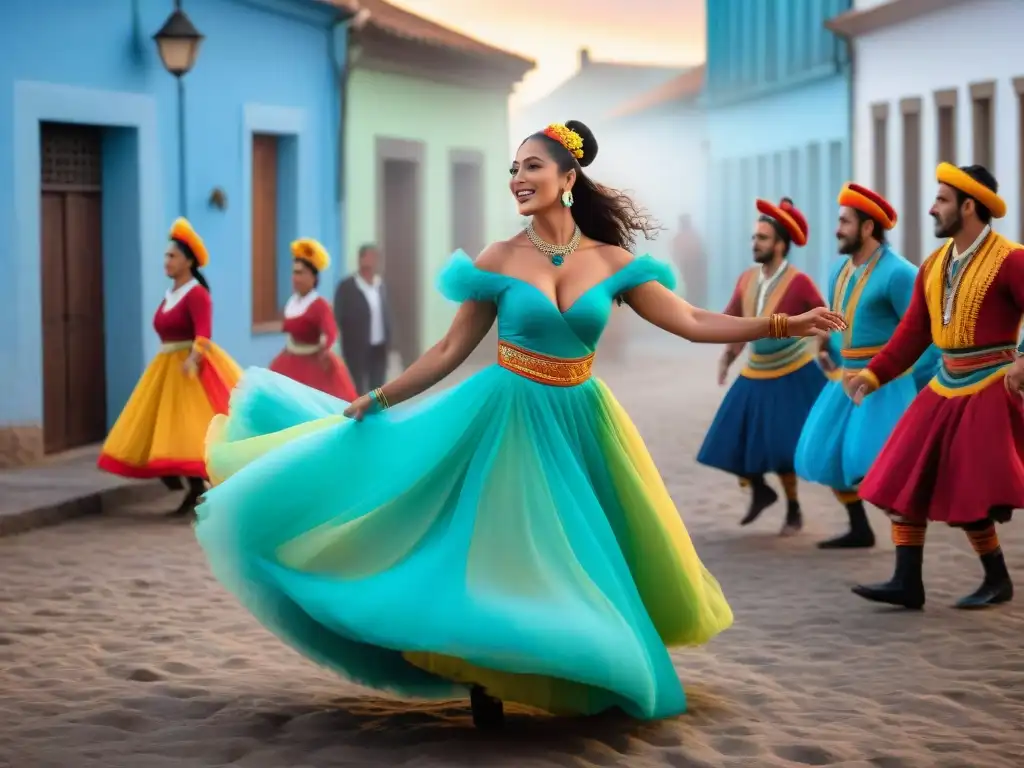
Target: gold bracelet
[
  {"x": 778, "y": 326},
  {"x": 378, "y": 394}
]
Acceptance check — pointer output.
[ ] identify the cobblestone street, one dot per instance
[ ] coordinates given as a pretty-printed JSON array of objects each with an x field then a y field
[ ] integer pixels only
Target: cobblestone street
[{"x": 119, "y": 650}]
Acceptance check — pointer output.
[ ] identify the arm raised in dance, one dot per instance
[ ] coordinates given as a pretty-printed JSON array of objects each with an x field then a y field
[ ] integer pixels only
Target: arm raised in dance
[{"x": 661, "y": 307}]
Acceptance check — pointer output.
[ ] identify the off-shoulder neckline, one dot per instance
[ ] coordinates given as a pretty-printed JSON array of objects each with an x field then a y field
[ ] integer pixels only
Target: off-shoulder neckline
[{"x": 646, "y": 258}]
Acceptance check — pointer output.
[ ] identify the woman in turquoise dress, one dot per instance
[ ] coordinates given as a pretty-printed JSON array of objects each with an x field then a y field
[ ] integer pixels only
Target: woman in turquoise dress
[{"x": 508, "y": 538}]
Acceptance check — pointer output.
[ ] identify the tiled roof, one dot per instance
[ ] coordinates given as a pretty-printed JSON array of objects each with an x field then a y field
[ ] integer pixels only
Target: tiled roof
[
  {"x": 395, "y": 21},
  {"x": 683, "y": 88}
]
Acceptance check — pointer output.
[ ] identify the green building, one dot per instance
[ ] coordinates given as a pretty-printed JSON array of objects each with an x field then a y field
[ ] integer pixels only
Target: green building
[{"x": 426, "y": 158}]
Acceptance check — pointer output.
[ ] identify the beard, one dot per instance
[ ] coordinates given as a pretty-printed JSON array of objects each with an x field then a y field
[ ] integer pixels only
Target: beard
[
  {"x": 950, "y": 227},
  {"x": 851, "y": 245},
  {"x": 762, "y": 257}
]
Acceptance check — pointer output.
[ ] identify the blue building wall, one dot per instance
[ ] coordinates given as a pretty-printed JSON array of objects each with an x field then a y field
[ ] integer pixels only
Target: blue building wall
[
  {"x": 777, "y": 97},
  {"x": 266, "y": 66}
]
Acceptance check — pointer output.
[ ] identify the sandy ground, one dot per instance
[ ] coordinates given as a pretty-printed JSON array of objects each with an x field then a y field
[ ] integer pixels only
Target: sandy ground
[{"x": 117, "y": 650}]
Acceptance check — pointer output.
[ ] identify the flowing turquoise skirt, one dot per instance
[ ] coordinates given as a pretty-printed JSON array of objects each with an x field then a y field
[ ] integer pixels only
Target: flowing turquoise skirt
[
  {"x": 501, "y": 533},
  {"x": 840, "y": 441}
]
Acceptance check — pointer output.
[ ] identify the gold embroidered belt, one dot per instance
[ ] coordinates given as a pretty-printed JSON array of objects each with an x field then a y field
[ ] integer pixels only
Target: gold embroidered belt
[{"x": 553, "y": 371}]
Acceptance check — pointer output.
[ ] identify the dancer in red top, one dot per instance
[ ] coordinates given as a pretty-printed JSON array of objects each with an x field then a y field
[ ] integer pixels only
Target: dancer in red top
[
  {"x": 957, "y": 455},
  {"x": 308, "y": 357},
  {"x": 162, "y": 430}
]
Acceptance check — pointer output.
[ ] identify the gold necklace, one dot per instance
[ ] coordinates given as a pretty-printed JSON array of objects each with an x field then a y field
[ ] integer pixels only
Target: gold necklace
[{"x": 556, "y": 253}]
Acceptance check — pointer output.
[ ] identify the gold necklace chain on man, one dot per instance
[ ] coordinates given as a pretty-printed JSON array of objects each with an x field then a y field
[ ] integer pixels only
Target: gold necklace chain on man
[{"x": 556, "y": 253}]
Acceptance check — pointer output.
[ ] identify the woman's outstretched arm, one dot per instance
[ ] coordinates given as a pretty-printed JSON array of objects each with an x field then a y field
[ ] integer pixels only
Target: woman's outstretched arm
[{"x": 661, "y": 307}]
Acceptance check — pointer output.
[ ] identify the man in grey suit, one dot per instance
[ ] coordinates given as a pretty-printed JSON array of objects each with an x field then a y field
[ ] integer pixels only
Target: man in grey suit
[{"x": 363, "y": 318}]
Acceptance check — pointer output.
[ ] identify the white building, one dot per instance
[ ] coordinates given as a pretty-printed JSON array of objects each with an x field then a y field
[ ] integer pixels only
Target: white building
[{"x": 936, "y": 80}]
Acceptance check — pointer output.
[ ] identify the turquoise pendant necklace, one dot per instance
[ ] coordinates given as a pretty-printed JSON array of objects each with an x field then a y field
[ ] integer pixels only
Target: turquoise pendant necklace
[{"x": 556, "y": 253}]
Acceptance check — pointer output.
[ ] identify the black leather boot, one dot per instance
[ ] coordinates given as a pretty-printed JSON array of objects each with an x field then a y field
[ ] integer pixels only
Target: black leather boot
[
  {"x": 996, "y": 587},
  {"x": 761, "y": 497},
  {"x": 860, "y": 535},
  {"x": 196, "y": 488},
  {"x": 794, "y": 519},
  {"x": 905, "y": 588},
  {"x": 172, "y": 482},
  {"x": 488, "y": 712}
]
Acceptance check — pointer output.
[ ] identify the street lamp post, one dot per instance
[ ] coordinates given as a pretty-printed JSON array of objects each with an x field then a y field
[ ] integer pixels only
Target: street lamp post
[{"x": 178, "y": 43}]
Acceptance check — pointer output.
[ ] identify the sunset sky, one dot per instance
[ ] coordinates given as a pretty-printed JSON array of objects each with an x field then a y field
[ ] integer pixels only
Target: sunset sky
[{"x": 552, "y": 31}]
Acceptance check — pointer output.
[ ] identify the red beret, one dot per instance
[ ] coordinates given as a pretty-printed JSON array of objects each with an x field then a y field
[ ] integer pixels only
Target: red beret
[{"x": 794, "y": 222}]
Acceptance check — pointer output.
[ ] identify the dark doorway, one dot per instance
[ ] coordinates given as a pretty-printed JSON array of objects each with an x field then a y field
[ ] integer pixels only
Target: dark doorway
[
  {"x": 399, "y": 218},
  {"x": 467, "y": 196},
  {"x": 910, "y": 215},
  {"x": 1018, "y": 85},
  {"x": 71, "y": 215},
  {"x": 468, "y": 226}
]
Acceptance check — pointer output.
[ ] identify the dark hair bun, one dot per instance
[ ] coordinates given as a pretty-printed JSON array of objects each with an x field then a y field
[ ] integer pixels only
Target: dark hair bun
[{"x": 589, "y": 142}]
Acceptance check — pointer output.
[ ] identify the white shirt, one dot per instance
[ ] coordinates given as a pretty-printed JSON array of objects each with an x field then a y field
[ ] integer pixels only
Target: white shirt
[
  {"x": 765, "y": 285},
  {"x": 957, "y": 267},
  {"x": 372, "y": 293},
  {"x": 172, "y": 297}
]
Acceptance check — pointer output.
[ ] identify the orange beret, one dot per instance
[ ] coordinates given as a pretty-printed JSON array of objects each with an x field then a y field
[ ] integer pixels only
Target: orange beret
[
  {"x": 869, "y": 203},
  {"x": 310, "y": 250},
  {"x": 181, "y": 230}
]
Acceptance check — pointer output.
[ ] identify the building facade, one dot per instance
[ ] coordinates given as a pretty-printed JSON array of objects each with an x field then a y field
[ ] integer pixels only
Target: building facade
[
  {"x": 90, "y": 181},
  {"x": 426, "y": 158},
  {"x": 778, "y": 121},
  {"x": 654, "y": 145},
  {"x": 964, "y": 109}
]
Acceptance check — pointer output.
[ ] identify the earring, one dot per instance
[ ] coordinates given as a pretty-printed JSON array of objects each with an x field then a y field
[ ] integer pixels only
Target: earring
[{"x": 567, "y": 198}]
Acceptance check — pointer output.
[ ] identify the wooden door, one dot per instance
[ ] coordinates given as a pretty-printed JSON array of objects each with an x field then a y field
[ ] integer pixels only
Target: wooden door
[
  {"x": 264, "y": 229},
  {"x": 74, "y": 361}
]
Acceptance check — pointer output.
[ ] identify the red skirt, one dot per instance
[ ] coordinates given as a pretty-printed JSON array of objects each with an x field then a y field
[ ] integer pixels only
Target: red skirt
[
  {"x": 326, "y": 373},
  {"x": 951, "y": 459}
]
